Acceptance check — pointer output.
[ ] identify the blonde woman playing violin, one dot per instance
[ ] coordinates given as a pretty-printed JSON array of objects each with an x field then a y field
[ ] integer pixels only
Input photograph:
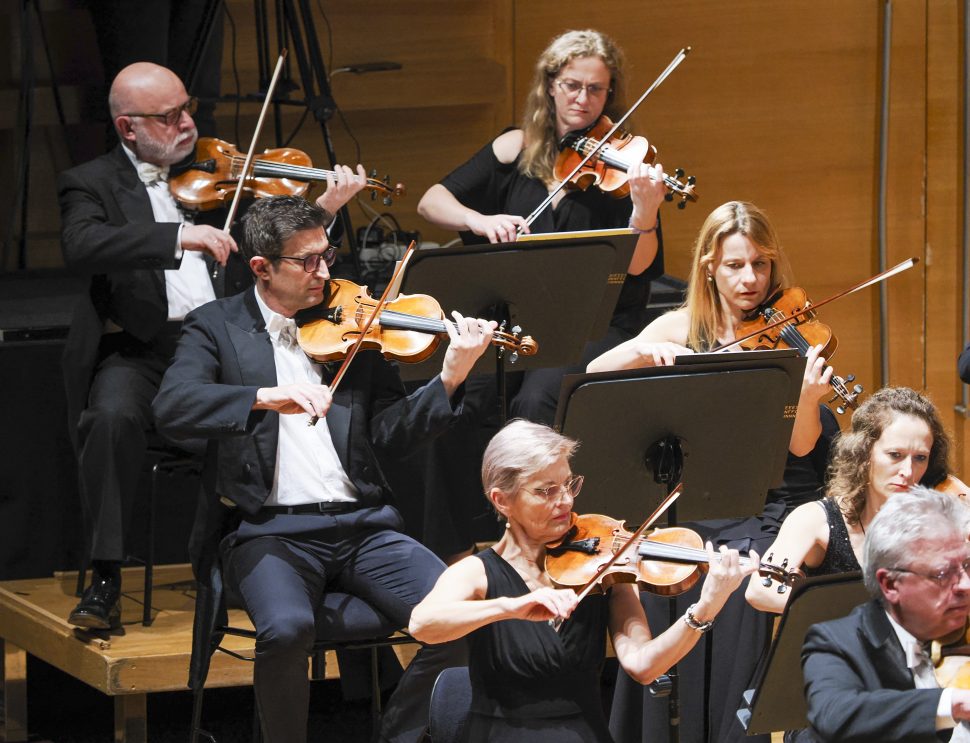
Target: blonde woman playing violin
[{"x": 528, "y": 680}]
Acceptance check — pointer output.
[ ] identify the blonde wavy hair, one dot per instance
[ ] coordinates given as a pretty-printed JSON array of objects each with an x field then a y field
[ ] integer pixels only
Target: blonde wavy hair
[
  {"x": 539, "y": 120},
  {"x": 849, "y": 467},
  {"x": 702, "y": 301}
]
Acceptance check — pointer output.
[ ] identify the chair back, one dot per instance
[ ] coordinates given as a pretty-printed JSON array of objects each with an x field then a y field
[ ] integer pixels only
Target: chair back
[{"x": 451, "y": 700}]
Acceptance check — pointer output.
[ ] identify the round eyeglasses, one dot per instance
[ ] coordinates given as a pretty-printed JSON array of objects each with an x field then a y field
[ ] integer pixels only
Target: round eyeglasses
[
  {"x": 172, "y": 116},
  {"x": 554, "y": 493},
  {"x": 312, "y": 262}
]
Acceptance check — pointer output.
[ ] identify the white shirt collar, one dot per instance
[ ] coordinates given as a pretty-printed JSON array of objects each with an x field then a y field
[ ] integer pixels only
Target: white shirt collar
[
  {"x": 147, "y": 172},
  {"x": 913, "y": 648},
  {"x": 274, "y": 321}
]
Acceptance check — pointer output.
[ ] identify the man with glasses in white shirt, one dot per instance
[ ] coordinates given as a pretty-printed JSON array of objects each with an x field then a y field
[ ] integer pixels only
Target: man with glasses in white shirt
[
  {"x": 868, "y": 677},
  {"x": 303, "y": 509}
]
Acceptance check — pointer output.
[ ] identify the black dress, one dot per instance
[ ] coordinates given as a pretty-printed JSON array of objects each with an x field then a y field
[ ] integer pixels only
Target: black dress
[
  {"x": 531, "y": 683},
  {"x": 724, "y": 661},
  {"x": 839, "y": 557}
]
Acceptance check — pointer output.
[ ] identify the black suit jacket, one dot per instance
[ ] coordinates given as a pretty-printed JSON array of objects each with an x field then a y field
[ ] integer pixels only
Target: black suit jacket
[
  {"x": 109, "y": 233},
  {"x": 857, "y": 684},
  {"x": 225, "y": 355}
]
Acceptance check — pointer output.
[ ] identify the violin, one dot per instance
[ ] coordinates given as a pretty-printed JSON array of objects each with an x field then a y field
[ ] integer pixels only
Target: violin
[
  {"x": 211, "y": 179},
  {"x": 406, "y": 329},
  {"x": 801, "y": 333},
  {"x": 607, "y": 169},
  {"x": 667, "y": 561}
]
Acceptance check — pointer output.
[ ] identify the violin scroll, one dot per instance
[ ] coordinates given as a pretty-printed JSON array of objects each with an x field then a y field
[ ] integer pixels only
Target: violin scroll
[{"x": 684, "y": 192}]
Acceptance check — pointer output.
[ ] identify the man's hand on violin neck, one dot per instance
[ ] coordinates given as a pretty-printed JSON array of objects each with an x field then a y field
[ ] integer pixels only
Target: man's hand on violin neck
[
  {"x": 206, "y": 239},
  {"x": 300, "y": 397},
  {"x": 342, "y": 185},
  {"x": 469, "y": 337}
]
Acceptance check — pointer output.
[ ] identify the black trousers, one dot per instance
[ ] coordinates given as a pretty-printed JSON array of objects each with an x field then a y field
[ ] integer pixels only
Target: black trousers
[
  {"x": 281, "y": 565},
  {"x": 113, "y": 434}
]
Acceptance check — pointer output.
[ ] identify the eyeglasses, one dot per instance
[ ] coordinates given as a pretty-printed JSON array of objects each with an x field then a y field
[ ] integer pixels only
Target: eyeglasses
[
  {"x": 554, "y": 493},
  {"x": 573, "y": 87},
  {"x": 312, "y": 262},
  {"x": 948, "y": 577},
  {"x": 172, "y": 116}
]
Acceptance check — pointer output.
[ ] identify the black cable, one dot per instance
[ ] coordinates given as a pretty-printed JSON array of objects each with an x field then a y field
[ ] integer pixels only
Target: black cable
[{"x": 235, "y": 71}]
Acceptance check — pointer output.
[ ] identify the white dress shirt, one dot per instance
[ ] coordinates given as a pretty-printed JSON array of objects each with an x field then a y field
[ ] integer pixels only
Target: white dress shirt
[
  {"x": 308, "y": 469},
  {"x": 919, "y": 664},
  {"x": 188, "y": 286}
]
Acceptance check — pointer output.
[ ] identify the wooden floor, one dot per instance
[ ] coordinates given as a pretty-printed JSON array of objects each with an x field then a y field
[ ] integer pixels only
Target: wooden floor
[{"x": 126, "y": 664}]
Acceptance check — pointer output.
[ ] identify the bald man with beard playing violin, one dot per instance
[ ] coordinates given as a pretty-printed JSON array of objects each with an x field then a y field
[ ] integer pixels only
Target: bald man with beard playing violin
[{"x": 148, "y": 266}]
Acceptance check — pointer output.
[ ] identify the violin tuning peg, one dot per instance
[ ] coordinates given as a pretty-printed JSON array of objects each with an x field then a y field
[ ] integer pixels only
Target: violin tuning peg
[
  {"x": 373, "y": 195},
  {"x": 682, "y": 204},
  {"x": 850, "y": 378},
  {"x": 514, "y": 357},
  {"x": 766, "y": 582},
  {"x": 691, "y": 180},
  {"x": 782, "y": 588},
  {"x": 516, "y": 330},
  {"x": 784, "y": 564},
  {"x": 770, "y": 557},
  {"x": 857, "y": 389},
  {"x": 387, "y": 201},
  {"x": 679, "y": 173},
  {"x": 840, "y": 410},
  {"x": 373, "y": 173},
  {"x": 668, "y": 196}
]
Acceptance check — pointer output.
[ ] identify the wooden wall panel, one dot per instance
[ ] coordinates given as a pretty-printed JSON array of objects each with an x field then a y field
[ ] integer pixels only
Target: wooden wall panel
[
  {"x": 944, "y": 200},
  {"x": 415, "y": 124}
]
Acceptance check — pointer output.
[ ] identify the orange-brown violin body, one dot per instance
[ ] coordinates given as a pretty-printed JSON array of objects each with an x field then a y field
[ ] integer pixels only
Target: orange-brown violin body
[
  {"x": 408, "y": 328},
  {"x": 211, "y": 180},
  {"x": 570, "y": 567},
  {"x": 801, "y": 333},
  {"x": 607, "y": 169}
]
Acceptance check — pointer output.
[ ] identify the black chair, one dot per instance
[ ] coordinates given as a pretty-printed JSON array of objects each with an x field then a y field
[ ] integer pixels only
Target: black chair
[
  {"x": 164, "y": 459},
  {"x": 451, "y": 700},
  {"x": 343, "y": 623}
]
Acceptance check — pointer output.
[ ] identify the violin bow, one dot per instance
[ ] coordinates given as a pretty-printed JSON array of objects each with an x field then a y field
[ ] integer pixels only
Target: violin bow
[
  {"x": 898, "y": 268},
  {"x": 674, "y": 63},
  {"x": 591, "y": 583},
  {"x": 352, "y": 352},
  {"x": 252, "y": 148}
]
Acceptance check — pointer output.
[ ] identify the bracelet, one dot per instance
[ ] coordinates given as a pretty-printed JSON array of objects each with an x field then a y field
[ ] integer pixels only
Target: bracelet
[
  {"x": 644, "y": 232},
  {"x": 692, "y": 622}
]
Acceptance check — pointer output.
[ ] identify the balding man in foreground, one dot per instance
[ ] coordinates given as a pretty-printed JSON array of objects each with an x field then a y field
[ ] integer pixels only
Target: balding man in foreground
[{"x": 868, "y": 677}]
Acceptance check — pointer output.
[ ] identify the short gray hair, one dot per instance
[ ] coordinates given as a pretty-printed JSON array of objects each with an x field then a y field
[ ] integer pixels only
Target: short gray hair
[
  {"x": 921, "y": 514},
  {"x": 518, "y": 451}
]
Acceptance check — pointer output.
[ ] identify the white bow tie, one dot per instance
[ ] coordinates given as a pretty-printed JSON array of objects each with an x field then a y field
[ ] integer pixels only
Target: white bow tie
[
  {"x": 285, "y": 328},
  {"x": 149, "y": 173},
  {"x": 916, "y": 655}
]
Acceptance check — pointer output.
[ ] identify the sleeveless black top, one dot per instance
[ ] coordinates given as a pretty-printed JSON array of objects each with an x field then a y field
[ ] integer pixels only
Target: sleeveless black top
[
  {"x": 492, "y": 187},
  {"x": 839, "y": 557},
  {"x": 530, "y": 682}
]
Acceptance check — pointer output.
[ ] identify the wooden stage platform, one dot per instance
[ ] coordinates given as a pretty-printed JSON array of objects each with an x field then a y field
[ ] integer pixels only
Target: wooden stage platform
[{"x": 127, "y": 664}]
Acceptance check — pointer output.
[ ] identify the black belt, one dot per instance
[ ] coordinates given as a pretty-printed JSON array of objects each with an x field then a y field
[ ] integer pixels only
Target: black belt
[{"x": 330, "y": 507}]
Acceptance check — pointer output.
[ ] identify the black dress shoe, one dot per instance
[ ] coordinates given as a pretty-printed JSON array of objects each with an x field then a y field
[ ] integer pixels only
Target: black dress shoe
[{"x": 100, "y": 606}]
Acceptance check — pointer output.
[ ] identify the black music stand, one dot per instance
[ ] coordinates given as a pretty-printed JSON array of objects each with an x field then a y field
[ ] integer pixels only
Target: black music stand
[
  {"x": 777, "y": 699},
  {"x": 560, "y": 291},
  {"x": 719, "y": 423}
]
